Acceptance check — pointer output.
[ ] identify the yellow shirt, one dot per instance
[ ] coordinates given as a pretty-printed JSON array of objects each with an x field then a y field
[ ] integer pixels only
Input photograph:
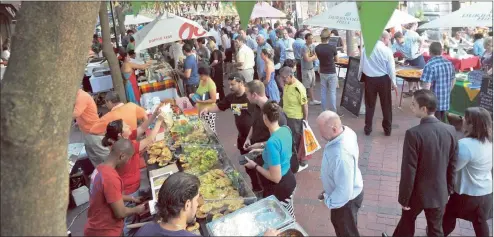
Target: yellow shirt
[
  {"x": 204, "y": 89},
  {"x": 294, "y": 97}
]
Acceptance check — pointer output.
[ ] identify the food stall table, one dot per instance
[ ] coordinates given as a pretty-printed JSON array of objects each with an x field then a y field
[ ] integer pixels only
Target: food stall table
[
  {"x": 408, "y": 74},
  {"x": 464, "y": 64},
  {"x": 341, "y": 63},
  {"x": 462, "y": 96}
]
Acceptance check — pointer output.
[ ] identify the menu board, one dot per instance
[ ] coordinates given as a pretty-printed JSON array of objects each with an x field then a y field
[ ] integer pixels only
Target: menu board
[
  {"x": 485, "y": 95},
  {"x": 351, "y": 98}
]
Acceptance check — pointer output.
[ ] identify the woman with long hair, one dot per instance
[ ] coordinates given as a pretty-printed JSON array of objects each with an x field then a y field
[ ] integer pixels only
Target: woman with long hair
[
  {"x": 472, "y": 197},
  {"x": 275, "y": 174},
  {"x": 268, "y": 77},
  {"x": 130, "y": 172},
  {"x": 128, "y": 70}
]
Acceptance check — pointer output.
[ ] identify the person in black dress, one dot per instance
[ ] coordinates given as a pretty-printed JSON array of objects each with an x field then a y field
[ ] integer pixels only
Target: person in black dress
[{"x": 217, "y": 66}]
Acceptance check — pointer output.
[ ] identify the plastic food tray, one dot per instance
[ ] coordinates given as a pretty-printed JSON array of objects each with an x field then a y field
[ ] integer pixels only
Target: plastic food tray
[{"x": 252, "y": 220}]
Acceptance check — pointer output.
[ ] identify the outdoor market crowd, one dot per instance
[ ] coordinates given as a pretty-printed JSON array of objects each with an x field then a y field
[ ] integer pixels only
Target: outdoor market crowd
[{"x": 271, "y": 76}]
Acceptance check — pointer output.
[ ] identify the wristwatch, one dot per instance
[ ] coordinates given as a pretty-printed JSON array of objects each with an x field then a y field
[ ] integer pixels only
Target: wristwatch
[{"x": 262, "y": 145}]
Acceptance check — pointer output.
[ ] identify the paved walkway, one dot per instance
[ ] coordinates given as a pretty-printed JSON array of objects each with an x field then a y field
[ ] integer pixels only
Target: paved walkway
[{"x": 380, "y": 162}]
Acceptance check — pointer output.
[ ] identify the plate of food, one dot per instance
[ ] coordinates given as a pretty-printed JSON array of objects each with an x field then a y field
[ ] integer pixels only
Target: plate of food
[{"x": 409, "y": 73}]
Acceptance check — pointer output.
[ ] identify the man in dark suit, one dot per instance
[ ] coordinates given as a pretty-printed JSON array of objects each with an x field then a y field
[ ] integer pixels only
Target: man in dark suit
[{"x": 427, "y": 169}]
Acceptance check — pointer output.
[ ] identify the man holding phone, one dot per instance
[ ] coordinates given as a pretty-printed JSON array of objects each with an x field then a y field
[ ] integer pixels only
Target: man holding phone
[
  {"x": 259, "y": 133},
  {"x": 241, "y": 108}
]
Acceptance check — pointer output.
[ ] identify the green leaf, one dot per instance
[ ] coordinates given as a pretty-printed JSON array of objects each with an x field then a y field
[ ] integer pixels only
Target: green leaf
[
  {"x": 373, "y": 18},
  {"x": 244, "y": 9}
]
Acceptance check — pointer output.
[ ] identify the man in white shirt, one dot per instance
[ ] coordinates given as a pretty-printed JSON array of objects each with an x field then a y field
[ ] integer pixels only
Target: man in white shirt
[
  {"x": 176, "y": 52},
  {"x": 245, "y": 59},
  {"x": 379, "y": 75}
]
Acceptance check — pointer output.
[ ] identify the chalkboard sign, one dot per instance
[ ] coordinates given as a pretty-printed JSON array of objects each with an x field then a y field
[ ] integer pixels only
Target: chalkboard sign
[
  {"x": 485, "y": 96},
  {"x": 351, "y": 98}
]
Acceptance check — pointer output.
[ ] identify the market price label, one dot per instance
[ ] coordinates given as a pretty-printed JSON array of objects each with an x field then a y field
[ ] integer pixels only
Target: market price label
[{"x": 351, "y": 98}]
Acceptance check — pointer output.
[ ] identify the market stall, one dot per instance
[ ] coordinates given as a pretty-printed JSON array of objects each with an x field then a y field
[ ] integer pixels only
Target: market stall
[
  {"x": 461, "y": 64},
  {"x": 190, "y": 146},
  {"x": 463, "y": 94},
  {"x": 160, "y": 81},
  {"x": 408, "y": 74}
]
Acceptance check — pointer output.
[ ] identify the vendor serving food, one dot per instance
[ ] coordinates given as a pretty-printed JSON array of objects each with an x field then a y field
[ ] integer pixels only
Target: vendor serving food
[
  {"x": 178, "y": 201},
  {"x": 130, "y": 172}
]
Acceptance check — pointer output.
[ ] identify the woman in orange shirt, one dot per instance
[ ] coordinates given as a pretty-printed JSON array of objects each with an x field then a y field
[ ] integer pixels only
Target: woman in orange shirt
[{"x": 130, "y": 172}]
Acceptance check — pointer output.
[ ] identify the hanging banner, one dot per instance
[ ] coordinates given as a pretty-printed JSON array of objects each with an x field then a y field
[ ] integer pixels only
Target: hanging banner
[
  {"x": 373, "y": 18},
  {"x": 244, "y": 9}
]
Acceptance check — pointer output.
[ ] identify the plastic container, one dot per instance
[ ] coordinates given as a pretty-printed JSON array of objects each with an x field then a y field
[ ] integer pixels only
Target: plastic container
[{"x": 81, "y": 195}]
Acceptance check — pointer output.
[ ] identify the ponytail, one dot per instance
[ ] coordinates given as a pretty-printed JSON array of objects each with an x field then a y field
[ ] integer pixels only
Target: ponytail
[{"x": 113, "y": 131}]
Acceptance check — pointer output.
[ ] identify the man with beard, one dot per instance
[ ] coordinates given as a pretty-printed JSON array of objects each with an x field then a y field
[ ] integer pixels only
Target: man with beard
[
  {"x": 241, "y": 108},
  {"x": 178, "y": 201}
]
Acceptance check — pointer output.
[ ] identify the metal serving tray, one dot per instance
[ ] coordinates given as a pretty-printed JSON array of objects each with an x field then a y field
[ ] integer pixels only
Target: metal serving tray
[{"x": 252, "y": 220}]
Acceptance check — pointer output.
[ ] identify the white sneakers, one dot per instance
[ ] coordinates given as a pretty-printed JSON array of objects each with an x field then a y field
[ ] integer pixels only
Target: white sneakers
[{"x": 314, "y": 102}]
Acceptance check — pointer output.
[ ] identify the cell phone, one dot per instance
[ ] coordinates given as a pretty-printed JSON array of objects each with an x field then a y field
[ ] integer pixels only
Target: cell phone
[{"x": 242, "y": 160}]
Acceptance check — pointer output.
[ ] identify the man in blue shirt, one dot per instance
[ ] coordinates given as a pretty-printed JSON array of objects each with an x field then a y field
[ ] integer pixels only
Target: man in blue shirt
[
  {"x": 261, "y": 44},
  {"x": 264, "y": 31},
  {"x": 298, "y": 45},
  {"x": 273, "y": 35},
  {"x": 190, "y": 73},
  {"x": 340, "y": 174},
  {"x": 439, "y": 77}
]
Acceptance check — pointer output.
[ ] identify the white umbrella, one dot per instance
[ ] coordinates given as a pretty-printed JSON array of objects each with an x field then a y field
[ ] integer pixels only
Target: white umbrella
[
  {"x": 136, "y": 20},
  {"x": 263, "y": 9},
  {"x": 165, "y": 29},
  {"x": 344, "y": 16},
  {"x": 477, "y": 14}
]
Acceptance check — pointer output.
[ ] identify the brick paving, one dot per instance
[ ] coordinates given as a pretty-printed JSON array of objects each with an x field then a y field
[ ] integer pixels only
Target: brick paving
[{"x": 380, "y": 162}]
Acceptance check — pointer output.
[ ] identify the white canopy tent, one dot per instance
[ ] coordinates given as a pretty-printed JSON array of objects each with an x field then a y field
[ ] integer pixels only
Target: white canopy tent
[
  {"x": 265, "y": 10},
  {"x": 477, "y": 14},
  {"x": 167, "y": 28},
  {"x": 136, "y": 20},
  {"x": 344, "y": 16}
]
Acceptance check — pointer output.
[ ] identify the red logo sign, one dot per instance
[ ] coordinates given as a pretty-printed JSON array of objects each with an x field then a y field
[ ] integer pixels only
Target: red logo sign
[{"x": 187, "y": 31}]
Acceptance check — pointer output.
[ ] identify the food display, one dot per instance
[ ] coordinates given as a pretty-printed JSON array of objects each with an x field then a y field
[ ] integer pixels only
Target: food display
[
  {"x": 409, "y": 73},
  {"x": 159, "y": 153},
  {"x": 198, "y": 159},
  {"x": 342, "y": 61},
  {"x": 293, "y": 230},
  {"x": 157, "y": 182}
]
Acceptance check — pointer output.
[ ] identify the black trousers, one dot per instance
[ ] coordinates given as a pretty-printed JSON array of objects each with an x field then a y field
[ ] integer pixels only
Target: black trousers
[
  {"x": 344, "y": 219},
  {"x": 299, "y": 70},
  {"x": 297, "y": 127},
  {"x": 240, "y": 145},
  {"x": 475, "y": 209},
  {"x": 406, "y": 225},
  {"x": 375, "y": 86},
  {"x": 281, "y": 190}
]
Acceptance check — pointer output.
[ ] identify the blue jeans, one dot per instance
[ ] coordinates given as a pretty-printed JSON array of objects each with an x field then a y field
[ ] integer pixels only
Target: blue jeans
[
  {"x": 328, "y": 84},
  {"x": 130, "y": 219},
  {"x": 417, "y": 62}
]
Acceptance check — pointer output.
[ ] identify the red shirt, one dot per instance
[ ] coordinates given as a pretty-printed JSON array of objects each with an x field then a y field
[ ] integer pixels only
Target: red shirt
[
  {"x": 107, "y": 189},
  {"x": 131, "y": 172}
]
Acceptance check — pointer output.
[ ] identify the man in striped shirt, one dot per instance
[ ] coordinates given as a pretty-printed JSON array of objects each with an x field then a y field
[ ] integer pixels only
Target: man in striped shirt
[{"x": 439, "y": 77}]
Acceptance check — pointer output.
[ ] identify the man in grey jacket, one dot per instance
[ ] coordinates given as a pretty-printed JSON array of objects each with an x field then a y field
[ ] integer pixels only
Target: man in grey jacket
[{"x": 340, "y": 175}]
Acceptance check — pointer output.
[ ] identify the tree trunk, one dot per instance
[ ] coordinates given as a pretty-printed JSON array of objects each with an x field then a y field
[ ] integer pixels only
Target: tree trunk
[
  {"x": 455, "y": 5},
  {"x": 121, "y": 20},
  {"x": 350, "y": 49},
  {"x": 49, "y": 51},
  {"x": 109, "y": 54}
]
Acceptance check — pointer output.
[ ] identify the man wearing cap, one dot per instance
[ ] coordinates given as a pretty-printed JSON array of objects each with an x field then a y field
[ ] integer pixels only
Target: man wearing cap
[
  {"x": 295, "y": 107},
  {"x": 379, "y": 75},
  {"x": 245, "y": 59},
  {"x": 238, "y": 103}
]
